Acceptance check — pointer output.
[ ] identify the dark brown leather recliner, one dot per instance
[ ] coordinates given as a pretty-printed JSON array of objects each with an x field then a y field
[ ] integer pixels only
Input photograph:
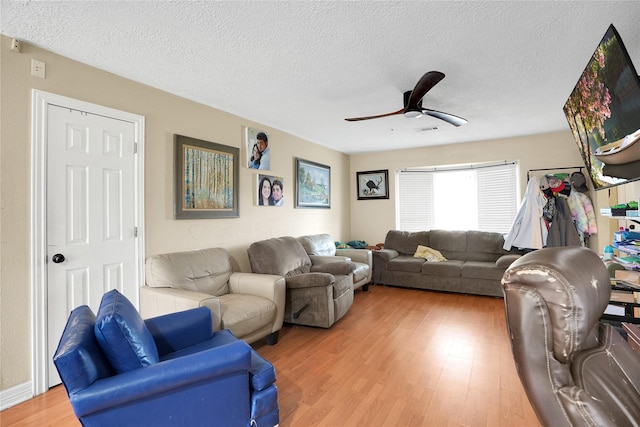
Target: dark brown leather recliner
[{"x": 575, "y": 370}]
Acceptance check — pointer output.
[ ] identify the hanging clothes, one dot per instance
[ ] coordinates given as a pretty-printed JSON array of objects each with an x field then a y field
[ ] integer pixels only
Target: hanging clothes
[
  {"x": 529, "y": 230},
  {"x": 583, "y": 214},
  {"x": 562, "y": 231}
]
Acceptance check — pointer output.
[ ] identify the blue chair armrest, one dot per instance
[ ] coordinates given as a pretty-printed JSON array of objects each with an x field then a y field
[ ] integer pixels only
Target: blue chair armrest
[
  {"x": 162, "y": 378},
  {"x": 175, "y": 331}
]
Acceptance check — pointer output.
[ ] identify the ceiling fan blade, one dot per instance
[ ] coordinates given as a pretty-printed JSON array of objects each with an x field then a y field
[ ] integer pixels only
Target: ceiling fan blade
[
  {"x": 450, "y": 118},
  {"x": 356, "y": 119},
  {"x": 424, "y": 85}
]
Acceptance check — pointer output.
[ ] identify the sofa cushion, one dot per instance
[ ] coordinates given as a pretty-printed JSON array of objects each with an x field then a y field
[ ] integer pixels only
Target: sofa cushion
[
  {"x": 361, "y": 271},
  {"x": 243, "y": 314},
  {"x": 123, "y": 335},
  {"x": 450, "y": 268},
  {"x": 482, "y": 270},
  {"x": 452, "y": 243},
  {"x": 406, "y": 263},
  {"x": 79, "y": 358},
  {"x": 406, "y": 242},
  {"x": 318, "y": 244},
  {"x": 484, "y": 246},
  {"x": 205, "y": 270}
]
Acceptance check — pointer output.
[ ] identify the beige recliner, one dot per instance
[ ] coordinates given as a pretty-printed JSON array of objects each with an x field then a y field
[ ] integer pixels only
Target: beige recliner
[
  {"x": 317, "y": 295},
  {"x": 322, "y": 249},
  {"x": 250, "y": 305},
  {"x": 576, "y": 370}
]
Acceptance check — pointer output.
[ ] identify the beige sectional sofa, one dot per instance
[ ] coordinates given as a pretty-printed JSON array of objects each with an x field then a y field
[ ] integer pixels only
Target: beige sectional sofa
[
  {"x": 475, "y": 261},
  {"x": 250, "y": 305}
]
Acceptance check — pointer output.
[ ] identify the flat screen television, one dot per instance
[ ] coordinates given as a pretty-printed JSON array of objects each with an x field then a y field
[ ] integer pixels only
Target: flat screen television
[{"x": 603, "y": 112}]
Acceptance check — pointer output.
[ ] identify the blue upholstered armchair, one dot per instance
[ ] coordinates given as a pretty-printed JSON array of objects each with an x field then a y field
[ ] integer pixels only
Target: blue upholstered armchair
[{"x": 170, "y": 370}]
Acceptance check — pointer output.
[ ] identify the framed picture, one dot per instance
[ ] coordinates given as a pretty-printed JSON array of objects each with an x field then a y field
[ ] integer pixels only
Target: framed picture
[
  {"x": 313, "y": 185},
  {"x": 206, "y": 179},
  {"x": 269, "y": 190},
  {"x": 373, "y": 184},
  {"x": 258, "y": 149}
]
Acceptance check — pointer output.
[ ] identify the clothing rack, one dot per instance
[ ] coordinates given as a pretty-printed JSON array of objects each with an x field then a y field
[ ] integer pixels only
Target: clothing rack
[{"x": 554, "y": 169}]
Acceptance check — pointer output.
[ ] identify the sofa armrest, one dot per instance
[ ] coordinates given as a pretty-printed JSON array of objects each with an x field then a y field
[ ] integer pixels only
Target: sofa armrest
[
  {"x": 160, "y": 301},
  {"x": 310, "y": 280},
  {"x": 175, "y": 331},
  {"x": 338, "y": 267},
  {"x": 506, "y": 260},
  {"x": 327, "y": 259},
  {"x": 357, "y": 255},
  {"x": 386, "y": 254},
  {"x": 162, "y": 378},
  {"x": 269, "y": 286}
]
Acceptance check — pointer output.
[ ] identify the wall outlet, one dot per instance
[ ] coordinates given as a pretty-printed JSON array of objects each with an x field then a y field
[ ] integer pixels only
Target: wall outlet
[{"x": 37, "y": 68}]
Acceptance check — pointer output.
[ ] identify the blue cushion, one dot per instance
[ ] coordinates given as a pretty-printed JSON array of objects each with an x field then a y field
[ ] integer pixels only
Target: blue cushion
[
  {"x": 123, "y": 335},
  {"x": 79, "y": 359}
]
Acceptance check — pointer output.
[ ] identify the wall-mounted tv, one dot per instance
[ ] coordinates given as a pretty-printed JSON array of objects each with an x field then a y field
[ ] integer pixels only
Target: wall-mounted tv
[{"x": 603, "y": 112}]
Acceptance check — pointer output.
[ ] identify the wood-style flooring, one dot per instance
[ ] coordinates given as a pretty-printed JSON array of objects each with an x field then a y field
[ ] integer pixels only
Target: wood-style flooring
[{"x": 399, "y": 357}]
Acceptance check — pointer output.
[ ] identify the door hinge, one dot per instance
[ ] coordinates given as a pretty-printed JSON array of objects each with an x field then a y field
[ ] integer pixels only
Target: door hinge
[
  {"x": 135, "y": 148},
  {"x": 135, "y": 231}
]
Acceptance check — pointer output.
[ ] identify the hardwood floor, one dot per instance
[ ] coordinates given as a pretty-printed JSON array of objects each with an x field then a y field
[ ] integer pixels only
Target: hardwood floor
[{"x": 400, "y": 357}]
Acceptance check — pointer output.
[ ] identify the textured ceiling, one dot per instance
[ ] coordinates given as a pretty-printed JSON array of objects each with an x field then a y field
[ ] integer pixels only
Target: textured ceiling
[{"x": 302, "y": 67}]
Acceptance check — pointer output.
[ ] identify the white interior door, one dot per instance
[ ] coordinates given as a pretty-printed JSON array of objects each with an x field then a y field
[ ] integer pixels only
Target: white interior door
[{"x": 91, "y": 207}]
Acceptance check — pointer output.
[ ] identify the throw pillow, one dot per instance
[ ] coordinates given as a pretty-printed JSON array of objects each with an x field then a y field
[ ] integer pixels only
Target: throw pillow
[
  {"x": 123, "y": 335},
  {"x": 430, "y": 254}
]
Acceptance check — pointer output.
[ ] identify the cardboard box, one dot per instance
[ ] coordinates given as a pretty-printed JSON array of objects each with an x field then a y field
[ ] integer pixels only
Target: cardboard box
[{"x": 629, "y": 276}]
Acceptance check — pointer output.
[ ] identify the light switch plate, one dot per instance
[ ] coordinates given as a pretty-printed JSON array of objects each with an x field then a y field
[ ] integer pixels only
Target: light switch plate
[{"x": 37, "y": 68}]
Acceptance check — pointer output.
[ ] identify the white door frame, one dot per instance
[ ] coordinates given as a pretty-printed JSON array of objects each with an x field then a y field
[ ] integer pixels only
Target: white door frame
[{"x": 39, "y": 119}]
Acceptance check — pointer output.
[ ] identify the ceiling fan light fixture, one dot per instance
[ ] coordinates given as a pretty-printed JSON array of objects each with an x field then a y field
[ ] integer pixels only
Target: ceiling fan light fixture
[{"x": 412, "y": 114}]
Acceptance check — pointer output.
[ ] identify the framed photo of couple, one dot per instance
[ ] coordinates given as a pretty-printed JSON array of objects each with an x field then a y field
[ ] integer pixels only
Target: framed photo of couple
[
  {"x": 258, "y": 149},
  {"x": 269, "y": 190}
]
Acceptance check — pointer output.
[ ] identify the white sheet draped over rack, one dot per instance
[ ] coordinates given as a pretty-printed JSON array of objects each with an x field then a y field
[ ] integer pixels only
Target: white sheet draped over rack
[{"x": 529, "y": 230}]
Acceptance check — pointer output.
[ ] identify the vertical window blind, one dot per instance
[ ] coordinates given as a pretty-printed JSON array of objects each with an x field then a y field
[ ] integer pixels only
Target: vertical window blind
[{"x": 474, "y": 197}]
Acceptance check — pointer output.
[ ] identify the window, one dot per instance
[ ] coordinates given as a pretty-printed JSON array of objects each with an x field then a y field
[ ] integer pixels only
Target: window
[{"x": 474, "y": 197}]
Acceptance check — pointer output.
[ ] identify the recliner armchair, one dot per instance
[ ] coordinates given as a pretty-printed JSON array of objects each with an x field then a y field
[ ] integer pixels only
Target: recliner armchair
[
  {"x": 317, "y": 295},
  {"x": 322, "y": 249},
  {"x": 576, "y": 370},
  {"x": 174, "y": 370}
]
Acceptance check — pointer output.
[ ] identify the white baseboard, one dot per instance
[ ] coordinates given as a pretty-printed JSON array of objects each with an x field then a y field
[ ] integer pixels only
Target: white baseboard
[{"x": 15, "y": 395}]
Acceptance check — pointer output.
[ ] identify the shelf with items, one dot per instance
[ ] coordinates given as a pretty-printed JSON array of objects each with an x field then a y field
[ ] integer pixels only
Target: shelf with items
[
  {"x": 630, "y": 215},
  {"x": 623, "y": 304}
]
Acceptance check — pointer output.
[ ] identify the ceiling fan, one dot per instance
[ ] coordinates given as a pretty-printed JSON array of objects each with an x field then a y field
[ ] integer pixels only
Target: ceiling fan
[{"x": 413, "y": 102}]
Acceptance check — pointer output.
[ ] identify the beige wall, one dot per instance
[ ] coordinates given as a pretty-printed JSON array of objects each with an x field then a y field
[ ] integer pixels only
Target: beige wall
[
  {"x": 553, "y": 150},
  {"x": 165, "y": 116}
]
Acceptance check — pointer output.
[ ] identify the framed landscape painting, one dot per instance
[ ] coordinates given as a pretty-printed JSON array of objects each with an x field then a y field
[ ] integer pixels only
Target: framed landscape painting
[
  {"x": 313, "y": 185},
  {"x": 373, "y": 184},
  {"x": 206, "y": 179}
]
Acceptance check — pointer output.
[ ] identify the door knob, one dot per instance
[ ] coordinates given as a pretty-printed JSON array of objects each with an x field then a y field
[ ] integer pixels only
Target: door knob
[{"x": 57, "y": 258}]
